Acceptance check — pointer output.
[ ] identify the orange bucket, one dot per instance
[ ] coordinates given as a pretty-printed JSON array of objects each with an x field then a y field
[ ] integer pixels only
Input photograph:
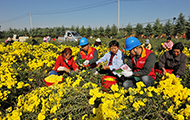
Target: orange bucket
[
  {"x": 167, "y": 70},
  {"x": 106, "y": 83},
  {"x": 50, "y": 83}
]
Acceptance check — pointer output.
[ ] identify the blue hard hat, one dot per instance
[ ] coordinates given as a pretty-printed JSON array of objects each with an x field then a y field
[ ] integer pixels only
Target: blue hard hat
[
  {"x": 83, "y": 41},
  {"x": 131, "y": 43}
]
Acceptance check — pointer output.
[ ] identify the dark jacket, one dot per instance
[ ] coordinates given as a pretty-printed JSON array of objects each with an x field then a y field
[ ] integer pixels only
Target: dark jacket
[
  {"x": 168, "y": 61},
  {"x": 147, "y": 67}
]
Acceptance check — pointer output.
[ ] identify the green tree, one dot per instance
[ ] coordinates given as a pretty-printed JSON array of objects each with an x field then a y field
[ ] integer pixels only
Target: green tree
[
  {"x": 101, "y": 31},
  {"x": 107, "y": 31},
  {"x": 88, "y": 31},
  {"x": 33, "y": 32},
  {"x": 168, "y": 28},
  {"x": 180, "y": 24},
  {"x": 139, "y": 29},
  {"x": 113, "y": 30},
  {"x": 25, "y": 31},
  {"x": 62, "y": 30},
  {"x": 16, "y": 31},
  {"x": 1, "y": 34},
  {"x": 77, "y": 29},
  {"x": 148, "y": 30},
  {"x": 45, "y": 32},
  {"x": 10, "y": 32},
  {"x": 57, "y": 31},
  {"x": 188, "y": 29},
  {"x": 39, "y": 32},
  {"x": 129, "y": 29},
  {"x": 95, "y": 32},
  {"x": 157, "y": 28},
  {"x": 82, "y": 31},
  {"x": 120, "y": 34},
  {"x": 72, "y": 28}
]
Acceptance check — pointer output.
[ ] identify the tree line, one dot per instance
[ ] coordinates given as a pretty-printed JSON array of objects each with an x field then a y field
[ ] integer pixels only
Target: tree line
[{"x": 179, "y": 28}]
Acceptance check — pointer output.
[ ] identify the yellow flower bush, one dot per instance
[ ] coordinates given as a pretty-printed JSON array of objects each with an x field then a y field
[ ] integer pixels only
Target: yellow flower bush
[{"x": 24, "y": 68}]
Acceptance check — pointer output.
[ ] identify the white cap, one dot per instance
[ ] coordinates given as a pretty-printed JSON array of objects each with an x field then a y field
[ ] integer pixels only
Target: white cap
[
  {"x": 147, "y": 41},
  {"x": 98, "y": 40}
]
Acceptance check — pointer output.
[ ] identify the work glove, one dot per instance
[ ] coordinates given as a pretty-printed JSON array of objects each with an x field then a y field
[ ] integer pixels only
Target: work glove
[
  {"x": 127, "y": 73},
  {"x": 61, "y": 68},
  {"x": 80, "y": 64},
  {"x": 86, "y": 62},
  {"x": 96, "y": 73}
]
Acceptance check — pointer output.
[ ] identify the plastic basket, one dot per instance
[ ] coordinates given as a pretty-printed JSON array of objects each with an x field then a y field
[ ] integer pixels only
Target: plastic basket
[
  {"x": 167, "y": 70},
  {"x": 50, "y": 83}
]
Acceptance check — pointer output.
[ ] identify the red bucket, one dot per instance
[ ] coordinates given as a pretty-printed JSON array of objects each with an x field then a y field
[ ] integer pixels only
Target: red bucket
[
  {"x": 50, "y": 83},
  {"x": 167, "y": 70},
  {"x": 106, "y": 83}
]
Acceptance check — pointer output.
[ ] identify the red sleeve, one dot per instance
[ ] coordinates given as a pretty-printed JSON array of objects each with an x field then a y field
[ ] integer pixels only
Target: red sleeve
[
  {"x": 74, "y": 65},
  {"x": 58, "y": 62}
]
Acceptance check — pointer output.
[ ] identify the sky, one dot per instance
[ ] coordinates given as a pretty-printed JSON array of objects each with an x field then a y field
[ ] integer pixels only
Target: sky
[{"x": 93, "y": 13}]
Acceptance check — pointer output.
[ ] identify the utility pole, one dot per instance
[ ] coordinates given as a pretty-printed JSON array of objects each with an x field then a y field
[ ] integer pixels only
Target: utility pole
[
  {"x": 118, "y": 13},
  {"x": 31, "y": 21}
]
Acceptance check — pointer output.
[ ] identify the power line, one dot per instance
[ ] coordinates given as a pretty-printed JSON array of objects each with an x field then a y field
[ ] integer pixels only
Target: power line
[
  {"x": 15, "y": 18},
  {"x": 75, "y": 9},
  {"x": 61, "y": 11}
]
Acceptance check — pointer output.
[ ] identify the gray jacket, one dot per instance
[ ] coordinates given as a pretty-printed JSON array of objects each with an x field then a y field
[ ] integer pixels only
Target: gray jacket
[{"x": 168, "y": 61}]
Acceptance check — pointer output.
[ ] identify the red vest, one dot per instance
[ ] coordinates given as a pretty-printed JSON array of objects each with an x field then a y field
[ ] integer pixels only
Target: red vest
[
  {"x": 139, "y": 64},
  {"x": 89, "y": 55}
]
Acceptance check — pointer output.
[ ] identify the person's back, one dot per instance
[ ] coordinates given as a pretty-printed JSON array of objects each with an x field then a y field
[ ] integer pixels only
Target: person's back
[
  {"x": 9, "y": 41},
  {"x": 45, "y": 39},
  {"x": 34, "y": 42},
  {"x": 48, "y": 38},
  {"x": 17, "y": 38}
]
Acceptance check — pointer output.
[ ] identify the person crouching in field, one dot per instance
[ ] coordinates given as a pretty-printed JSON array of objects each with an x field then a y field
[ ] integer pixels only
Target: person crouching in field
[
  {"x": 174, "y": 59},
  {"x": 97, "y": 42},
  {"x": 114, "y": 58},
  {"x": 64, "y": 63},
  {"x": 142, "y": 62},
  {"x": 147, "y": 44},
  {"x": 168, "y": 44},
  {"x": 9, "y": 41},
  {"x": 88, "y": 55}
]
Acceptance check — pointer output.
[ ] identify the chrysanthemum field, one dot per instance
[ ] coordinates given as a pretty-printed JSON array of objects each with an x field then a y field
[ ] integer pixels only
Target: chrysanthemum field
[{"x": 24, "y": 94}]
